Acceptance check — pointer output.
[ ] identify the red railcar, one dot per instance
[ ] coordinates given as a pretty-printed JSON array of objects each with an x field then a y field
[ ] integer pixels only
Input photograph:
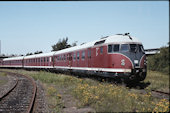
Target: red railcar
[
  {"x": 13, "y": 62},
  {"x": 113, "y": 56}
]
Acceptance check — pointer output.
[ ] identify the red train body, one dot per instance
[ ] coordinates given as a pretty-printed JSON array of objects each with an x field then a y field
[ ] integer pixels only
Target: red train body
[{"x": 119, "y": 56}]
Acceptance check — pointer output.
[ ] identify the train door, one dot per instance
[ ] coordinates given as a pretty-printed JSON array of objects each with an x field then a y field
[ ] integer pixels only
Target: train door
[
  {"x": 22, "y": 61},
  {"x": 52, "y": 60},
  {"x": 89, "y": 57},
  {"x": 70, "y": 60}
]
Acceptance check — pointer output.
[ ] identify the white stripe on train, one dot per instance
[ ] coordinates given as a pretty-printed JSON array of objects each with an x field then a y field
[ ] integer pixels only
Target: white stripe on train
[{"x": 79, "y": 68}]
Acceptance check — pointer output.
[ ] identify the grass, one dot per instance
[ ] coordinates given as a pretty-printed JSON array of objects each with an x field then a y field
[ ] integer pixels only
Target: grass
[
  {"x": 3, "y": 74},
  {"x": 158, "y": 81},
  {"x": 3, "y": 81},
  {"x": 102, "y": 96},
  {"x": 54, "y": 99}
]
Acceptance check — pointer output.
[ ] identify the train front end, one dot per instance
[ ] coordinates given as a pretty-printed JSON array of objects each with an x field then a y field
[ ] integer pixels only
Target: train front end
[{"x": 127, "y": 55}]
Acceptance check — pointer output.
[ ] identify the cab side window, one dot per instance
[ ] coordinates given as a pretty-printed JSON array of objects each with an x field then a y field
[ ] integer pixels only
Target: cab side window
[
  {"x": 109, "y": 48},
  {"x": 116, "y": 48},
  {"x": 101, "y": 50}
]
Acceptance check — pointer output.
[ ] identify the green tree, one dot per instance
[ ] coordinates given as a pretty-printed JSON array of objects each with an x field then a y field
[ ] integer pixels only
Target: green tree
[
  {"x": 62, "y": 44},
  {"x": 38, "y": 52},
  {"x": 29, "y": 54}
]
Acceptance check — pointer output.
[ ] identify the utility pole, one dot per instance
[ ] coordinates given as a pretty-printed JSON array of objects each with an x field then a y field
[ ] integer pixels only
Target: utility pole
[{"x": 0, "y": 47}]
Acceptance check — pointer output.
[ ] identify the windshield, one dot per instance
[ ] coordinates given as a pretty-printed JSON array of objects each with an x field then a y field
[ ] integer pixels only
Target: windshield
[
  {"x": 133, "y": 47},
  {"x": 124, "y": 47},
  {"x": 141, "y": 49}
]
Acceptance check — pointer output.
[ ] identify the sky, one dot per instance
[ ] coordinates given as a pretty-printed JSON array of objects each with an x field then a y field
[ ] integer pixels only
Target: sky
[{"x": 30, "y": 26}]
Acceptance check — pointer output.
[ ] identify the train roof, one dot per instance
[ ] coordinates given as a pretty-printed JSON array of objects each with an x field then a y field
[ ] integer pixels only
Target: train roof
[
  {"x": 119, "y": 38},
  {"x": 107, "y": 40},
  {"x": 13, "y": 58},
  {"x": 39, "y": 55}
]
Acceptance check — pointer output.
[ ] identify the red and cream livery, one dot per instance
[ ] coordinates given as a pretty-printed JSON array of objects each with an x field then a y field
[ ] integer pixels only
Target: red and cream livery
[{"x": 114, "y": 56}]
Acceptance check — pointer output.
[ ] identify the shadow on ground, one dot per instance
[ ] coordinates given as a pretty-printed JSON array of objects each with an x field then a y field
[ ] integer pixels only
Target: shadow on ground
[{"x": 130, "y": 84}]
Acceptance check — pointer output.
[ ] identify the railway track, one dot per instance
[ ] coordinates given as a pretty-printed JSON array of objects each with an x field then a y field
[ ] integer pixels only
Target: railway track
[
  {"x": 160, "y": 94},
  {"x": 165, "y": 93},
  {"x": 20, "y": 97}
]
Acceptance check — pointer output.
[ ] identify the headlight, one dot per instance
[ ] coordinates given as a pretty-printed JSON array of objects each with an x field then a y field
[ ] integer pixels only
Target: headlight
[{"x": 136, "y": 61}]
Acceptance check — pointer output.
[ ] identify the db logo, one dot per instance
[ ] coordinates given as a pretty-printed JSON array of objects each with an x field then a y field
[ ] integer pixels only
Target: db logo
[
  {"x": 123, "y": 62},
  {"x": 97, "y": 51}
]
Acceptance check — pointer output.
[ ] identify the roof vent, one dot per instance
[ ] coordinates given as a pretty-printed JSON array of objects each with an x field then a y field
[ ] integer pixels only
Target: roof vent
[
  {"x": 119, "y": 34},
  {"x": 82, "y": 43},
  {"x": 99, "y": 42}
]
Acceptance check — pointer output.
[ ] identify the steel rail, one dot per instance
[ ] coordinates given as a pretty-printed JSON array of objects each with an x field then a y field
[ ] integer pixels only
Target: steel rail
[{"x": 161, "y": 92}]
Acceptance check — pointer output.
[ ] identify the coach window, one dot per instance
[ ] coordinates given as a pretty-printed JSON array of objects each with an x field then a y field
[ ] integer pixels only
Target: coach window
[
  {"x": 64, "y": 57},
  {"x": 101, "y": 50},
  {"x": 109, "y": 48},
  {"x": 77, "y": 55},
  {"x": 116, "y": 48},
  {"x": 124, "y": 47},
  {"x": 74, "y": 56},
  {"x": 47, "y": 59},
  {"x": 83, "y": 55},
  {"x": 56, "y": 58}
]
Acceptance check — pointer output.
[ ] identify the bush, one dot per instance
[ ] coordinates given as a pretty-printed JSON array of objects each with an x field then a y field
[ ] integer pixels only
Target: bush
[{"x": 160, "y": 61}]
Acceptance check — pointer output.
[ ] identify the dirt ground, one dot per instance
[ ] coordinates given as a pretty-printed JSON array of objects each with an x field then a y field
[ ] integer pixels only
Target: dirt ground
[{"x": 71, "y": 104}]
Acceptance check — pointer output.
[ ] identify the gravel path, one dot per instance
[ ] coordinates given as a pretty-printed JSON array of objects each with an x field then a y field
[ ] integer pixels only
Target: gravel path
[{"x": 40, "y": 105}]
